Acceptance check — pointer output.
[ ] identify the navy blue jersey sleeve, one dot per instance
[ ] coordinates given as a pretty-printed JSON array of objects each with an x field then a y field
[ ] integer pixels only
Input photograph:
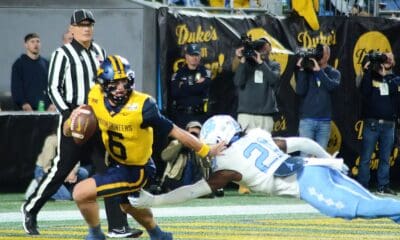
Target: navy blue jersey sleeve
[{"x": 153, "y": 118}]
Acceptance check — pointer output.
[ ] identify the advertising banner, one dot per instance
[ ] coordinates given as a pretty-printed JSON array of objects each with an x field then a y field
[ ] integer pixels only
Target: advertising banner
[{"x": 350, "y": 39}]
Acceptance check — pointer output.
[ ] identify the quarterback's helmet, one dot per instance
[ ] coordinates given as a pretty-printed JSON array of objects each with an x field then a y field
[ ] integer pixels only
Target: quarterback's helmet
[
  {"x": 219, "y": 128},
  {"x": 113, "y": 69}
]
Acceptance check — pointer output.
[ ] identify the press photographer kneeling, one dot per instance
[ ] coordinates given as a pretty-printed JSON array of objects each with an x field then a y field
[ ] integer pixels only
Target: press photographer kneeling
[
  {"x": 379, "y": 90},
  {"x": 315, "y": 82}
]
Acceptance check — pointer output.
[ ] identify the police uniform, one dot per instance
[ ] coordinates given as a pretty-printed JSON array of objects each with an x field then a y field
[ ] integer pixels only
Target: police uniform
[{"x": 188, "y": 96}]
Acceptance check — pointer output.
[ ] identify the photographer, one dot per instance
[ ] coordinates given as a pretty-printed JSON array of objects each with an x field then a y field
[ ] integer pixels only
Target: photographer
[
  {"x": 184, "y": 167},
  {"x": 379, "y": 90},
  {"x": 189, "y": 89},
  {"x": 315, "y": 81},
  {"x": 257, "y": 80}
]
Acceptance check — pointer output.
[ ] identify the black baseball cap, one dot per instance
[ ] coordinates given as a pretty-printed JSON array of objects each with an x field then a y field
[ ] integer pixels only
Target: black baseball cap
[
  {"x": 80, "y": 15},
  {"x": 29, "y": 36},
  {"x": 193, "y": 49}
]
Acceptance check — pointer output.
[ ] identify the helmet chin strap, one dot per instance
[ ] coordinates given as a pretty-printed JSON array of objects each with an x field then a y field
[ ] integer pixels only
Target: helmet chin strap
[{"x": 119, "y": 101}]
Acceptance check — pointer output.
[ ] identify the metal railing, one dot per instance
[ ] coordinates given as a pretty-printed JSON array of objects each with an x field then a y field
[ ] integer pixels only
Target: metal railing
[{"x": 282, "y": 7}]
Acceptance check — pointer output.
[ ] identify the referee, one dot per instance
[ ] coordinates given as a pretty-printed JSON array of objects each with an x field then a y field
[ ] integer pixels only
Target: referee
[{"x": 72, "y": 71}]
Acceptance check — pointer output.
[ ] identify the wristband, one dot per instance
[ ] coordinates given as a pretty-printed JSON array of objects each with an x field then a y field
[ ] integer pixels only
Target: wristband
[{"x": 204, "y": 150}]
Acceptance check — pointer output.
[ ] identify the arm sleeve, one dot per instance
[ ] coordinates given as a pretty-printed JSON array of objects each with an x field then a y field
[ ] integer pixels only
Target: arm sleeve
[
  {"x": 330, "y": 78},
  {"x": 153, "y": 118},
  {"x": 175, "y": 85},
  {"x": 195, "y": 89},
  {"x": 179, "y": 195},
  {"x": 301, "y": 83},
  {"x": 306, "y": 145},
  {"x": 240, "y": 78},
  {"x": 58, "y": 64},
  {"x": 17, "y": 84},
  {"x": 366, "y": 83},
  {"x": 272, "y": 72},
  {"x": 183, "y": 194}
]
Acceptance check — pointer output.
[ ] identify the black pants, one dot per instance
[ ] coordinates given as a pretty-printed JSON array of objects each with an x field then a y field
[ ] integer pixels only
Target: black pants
[{"x": 68, "y": 155}]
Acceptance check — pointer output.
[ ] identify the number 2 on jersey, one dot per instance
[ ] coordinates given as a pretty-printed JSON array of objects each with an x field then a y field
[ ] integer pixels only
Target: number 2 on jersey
[{"x": 263, "y": 153}]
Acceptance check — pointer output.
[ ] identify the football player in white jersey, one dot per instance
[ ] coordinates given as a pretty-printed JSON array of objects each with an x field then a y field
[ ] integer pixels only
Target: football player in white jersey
[{"x": 260, "y": 162}]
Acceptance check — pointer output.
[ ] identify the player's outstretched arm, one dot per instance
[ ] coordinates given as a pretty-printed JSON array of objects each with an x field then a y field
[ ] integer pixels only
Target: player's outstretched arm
[
  {"x": 306, "y": 145},
  {"x": 216, "y": 181},
  {"x": 203, "y": 150},
  {"x": 181, "y": 194}
]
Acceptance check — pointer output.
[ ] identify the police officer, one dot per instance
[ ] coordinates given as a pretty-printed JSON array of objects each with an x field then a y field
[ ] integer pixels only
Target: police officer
[{"x": 189, "y": 89}]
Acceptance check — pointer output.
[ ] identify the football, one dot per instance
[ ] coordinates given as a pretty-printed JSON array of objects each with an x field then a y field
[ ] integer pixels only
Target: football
[{"x": 84, "y": 125}]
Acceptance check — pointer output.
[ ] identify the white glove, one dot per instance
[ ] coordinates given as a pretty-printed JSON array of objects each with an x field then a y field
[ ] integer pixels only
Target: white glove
[{"x": 145, "y": 200}]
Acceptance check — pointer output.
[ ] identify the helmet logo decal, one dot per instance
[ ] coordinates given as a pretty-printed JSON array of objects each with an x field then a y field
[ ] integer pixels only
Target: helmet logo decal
[{"x": 114, "y": 69}]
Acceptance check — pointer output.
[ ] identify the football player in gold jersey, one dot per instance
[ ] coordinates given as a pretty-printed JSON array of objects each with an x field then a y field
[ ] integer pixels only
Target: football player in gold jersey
[{"x": 126, "y": 119}]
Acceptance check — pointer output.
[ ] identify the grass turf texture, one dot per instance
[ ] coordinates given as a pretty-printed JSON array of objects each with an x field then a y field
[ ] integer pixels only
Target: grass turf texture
[{"x": 243, "y": 226}]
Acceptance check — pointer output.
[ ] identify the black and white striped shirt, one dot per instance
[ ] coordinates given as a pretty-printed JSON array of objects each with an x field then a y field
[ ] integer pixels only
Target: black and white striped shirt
[{"x": 72, "y": 72}]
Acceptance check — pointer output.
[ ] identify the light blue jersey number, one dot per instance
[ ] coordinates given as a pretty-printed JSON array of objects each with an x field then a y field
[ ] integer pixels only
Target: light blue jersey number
[
  {"x": 263, "y": 150},
  {"x": 263, "y": 154}
]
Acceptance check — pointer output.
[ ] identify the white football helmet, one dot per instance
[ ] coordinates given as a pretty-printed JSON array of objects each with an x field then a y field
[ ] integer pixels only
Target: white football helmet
[{"x": 219, "y": 128}]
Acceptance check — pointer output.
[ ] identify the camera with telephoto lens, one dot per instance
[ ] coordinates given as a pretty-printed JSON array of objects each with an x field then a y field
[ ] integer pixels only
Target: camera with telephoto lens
[
  {"x": 250, "y": 47},
  {"x": 308, "y": 53},
  {"x": 376, "y": 58}
]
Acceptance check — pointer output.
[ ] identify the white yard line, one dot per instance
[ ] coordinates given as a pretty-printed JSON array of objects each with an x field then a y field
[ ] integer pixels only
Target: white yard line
[{"x": 176, "y": 212}]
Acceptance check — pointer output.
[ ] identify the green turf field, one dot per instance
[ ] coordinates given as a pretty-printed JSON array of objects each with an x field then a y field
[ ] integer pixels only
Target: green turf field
[{"x": 231, "y": 217}]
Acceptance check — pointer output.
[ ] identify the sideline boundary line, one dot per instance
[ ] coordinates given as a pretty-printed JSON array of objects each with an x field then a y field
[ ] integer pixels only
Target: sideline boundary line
[{"x": 176, "y": 212}]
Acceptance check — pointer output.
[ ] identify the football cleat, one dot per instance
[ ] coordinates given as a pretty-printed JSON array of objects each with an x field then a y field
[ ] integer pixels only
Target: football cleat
[
  {"x": 95, "y": 236},
  {"x": 29, "y": 222},
  {"x": 165, "y": 236},
  {"x": 124, "y": 232}
]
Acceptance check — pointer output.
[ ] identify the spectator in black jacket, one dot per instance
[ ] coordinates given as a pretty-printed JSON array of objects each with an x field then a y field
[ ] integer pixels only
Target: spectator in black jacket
[{"x": 29, "y": 77}]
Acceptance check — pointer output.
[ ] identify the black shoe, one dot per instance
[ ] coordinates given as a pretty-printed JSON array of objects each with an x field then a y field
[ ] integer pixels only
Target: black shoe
[
  {"x": 219, "y": 192},
  {"x": 125, "y": 232},
  {"x": 154, "y": 189},
  {"x": 29, "y": 222},
  {"x": 386, "y": 190}
]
